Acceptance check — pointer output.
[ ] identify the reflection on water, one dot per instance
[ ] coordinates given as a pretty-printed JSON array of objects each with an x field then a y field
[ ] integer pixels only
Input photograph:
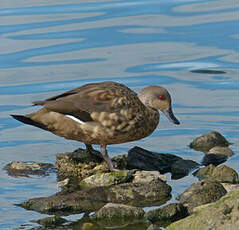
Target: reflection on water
[{"x": 46, "y": 47}]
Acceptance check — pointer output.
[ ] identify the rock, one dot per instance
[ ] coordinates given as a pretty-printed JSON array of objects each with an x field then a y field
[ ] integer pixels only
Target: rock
[
  {"x": 215, "y": 159},
  {"x": 106, "y": 179},
  {"x": 207, "y": 141},
  {"x": 170, "y": 212},
  {"x": 221, "y": 150},
  {"x": 112, "y": 211},
  {"x": 221, "y": 215},
  {"x": 148, "y": 176},
  {"x": 120, "y": 161},
  {"x": 154, "y": 227},
  {"x": 52, "y": 221},
  {"x": 135, "y": 194},
  {"x": 139, "y": 158},
  {"x": 25, "y": 169},
  {"x": 120, "y": 215},
  {"x": 181, "y": 168},
  {"x": 79, "y": 163},
  {"x": 230, "y": 187},
  {"x": 223, "y": 174},
  {"x": 201, "y": 193}
]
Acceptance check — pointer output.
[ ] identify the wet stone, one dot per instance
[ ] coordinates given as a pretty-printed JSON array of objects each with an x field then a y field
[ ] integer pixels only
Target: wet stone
[
  {"x": 207, "y": 141},
  {"x": 25, "y": 169},
  {"x": 201, "y": 193}
]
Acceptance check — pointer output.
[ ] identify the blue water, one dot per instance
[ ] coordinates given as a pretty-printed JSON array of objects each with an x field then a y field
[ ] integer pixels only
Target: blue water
[{"x": 47, "y": 47}]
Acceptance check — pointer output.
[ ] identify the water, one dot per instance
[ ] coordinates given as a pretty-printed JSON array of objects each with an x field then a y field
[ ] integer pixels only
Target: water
[{"x": 46, "y": 47}]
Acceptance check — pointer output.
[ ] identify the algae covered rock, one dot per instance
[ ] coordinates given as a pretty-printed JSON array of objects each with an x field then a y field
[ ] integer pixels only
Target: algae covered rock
[
  {"x": 222, "y": 173},
  {"x": 201, "y": 193},
  {"x": 170, "y": 212},
  {"x": 207, "y": 141},
  {"x": 220, "y": 215}
]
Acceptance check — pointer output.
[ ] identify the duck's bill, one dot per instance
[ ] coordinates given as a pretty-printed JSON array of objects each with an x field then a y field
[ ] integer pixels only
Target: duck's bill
[{"x": 169, "y": 114}]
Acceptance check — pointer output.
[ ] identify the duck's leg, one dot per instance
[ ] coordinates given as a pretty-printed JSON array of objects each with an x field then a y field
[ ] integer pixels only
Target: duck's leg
[
  {"x": 107, "y": 158},
  {"x": 92, "y": 151}
]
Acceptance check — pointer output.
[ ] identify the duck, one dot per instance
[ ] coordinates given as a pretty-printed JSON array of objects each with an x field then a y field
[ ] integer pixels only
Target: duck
[{"x": 102, "y": 113}]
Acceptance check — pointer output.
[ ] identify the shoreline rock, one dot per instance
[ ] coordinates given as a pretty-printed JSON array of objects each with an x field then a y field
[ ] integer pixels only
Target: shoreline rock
[
  {"x": 222, "y": 174},
  {"x": 202, "y": 192},
  {"x": 222, "y": 214},
  {"x": 207, "y": 141},
  {"x": 26, "y": 169},
  {"x": 135, "y": 194}
]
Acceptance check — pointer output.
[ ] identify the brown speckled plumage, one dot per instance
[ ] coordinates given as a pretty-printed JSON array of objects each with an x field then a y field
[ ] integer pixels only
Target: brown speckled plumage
[{"x": 107, "y": 113}]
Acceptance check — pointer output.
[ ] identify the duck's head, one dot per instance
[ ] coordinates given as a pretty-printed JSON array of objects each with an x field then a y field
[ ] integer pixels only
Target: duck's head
[{"x": 157, "y": 97}]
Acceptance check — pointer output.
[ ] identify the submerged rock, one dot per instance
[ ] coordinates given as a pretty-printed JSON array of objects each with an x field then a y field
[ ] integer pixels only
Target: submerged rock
[
  {"x": 201, "y": 193},
  {"x": 207, "y": 141},
  {"x": 25, "y": 169},
  {"x": 221, "y": 215},
  {"x": 136, "y": 194},
  {"x": 223, "y": 174},
  {"x": 170, "y": 212}
]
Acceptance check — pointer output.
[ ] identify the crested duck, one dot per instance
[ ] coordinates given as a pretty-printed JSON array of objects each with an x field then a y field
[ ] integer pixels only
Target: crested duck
[{"x": 102, "y": 113}]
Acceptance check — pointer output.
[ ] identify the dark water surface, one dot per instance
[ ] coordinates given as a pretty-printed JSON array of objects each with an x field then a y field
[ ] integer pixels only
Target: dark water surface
[{"x": 48, "y": 46}]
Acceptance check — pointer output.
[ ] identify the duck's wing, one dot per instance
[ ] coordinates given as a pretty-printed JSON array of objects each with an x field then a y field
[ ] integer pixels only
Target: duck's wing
[{"x": 108, "y": 97}]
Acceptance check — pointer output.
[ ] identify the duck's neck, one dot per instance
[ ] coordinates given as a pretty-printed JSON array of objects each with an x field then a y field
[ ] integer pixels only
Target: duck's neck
[{"x": 145, "y": 100}]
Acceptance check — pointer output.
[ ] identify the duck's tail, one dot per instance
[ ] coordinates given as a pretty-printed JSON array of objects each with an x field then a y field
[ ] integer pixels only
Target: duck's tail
[{"x": 28, "y": 121}]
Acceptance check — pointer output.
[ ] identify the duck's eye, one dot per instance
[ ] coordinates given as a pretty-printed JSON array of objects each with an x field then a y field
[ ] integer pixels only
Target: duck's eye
[{"x": 161, "y": 97}]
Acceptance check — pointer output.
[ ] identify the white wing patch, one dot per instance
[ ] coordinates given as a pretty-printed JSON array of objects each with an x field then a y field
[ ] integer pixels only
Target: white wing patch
[{"x": 75, "y": 119}]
